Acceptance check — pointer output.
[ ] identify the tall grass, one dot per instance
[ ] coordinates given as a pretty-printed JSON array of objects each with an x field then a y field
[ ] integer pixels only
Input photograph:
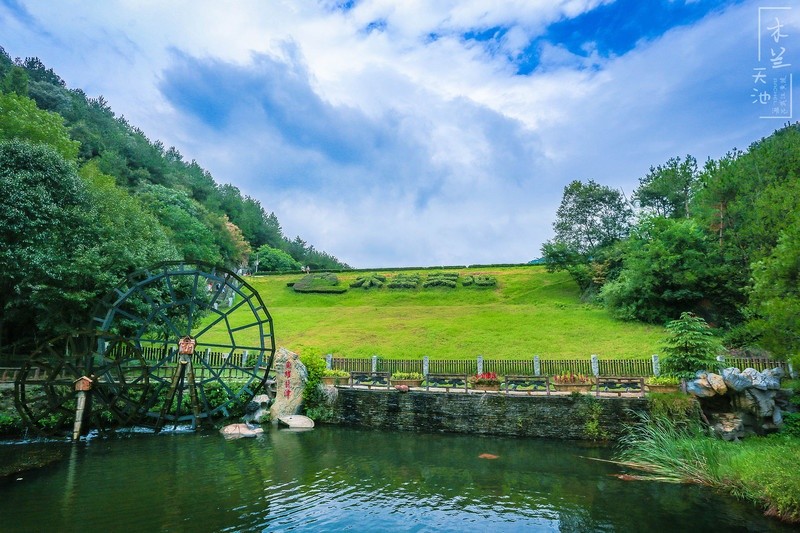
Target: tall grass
[
  {"x": 759, "y": 469},
  {"x": 672, "y": 452}
]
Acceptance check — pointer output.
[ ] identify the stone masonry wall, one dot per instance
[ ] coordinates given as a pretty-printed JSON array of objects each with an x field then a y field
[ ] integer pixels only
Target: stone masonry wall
[{"x": 560, "y": 417}]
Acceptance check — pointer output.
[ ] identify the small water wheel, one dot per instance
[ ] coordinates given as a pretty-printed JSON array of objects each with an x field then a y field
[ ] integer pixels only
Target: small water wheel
[
  {"x": 107, "y": 378},
  {"x": 176, "y": 343},
  {"x": 206, "y": 336}
]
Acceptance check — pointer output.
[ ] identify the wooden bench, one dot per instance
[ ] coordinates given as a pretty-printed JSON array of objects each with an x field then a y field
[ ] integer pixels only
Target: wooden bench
[
  {"x": 528, "y": 384},
  {"x": 618, "y": 385},
  {"x": 446, "y": 381},
  {"x": 370, "y": 379}
]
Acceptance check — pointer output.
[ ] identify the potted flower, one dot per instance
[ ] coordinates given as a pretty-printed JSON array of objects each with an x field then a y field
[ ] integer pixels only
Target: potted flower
[
  {"x": 485, "y": 381},
  {"x": 335, "y": 376},
  {"x": 409, "y": 379},
  {"x": 572, "y": 382},
  {"x": 662, "y": 384}
]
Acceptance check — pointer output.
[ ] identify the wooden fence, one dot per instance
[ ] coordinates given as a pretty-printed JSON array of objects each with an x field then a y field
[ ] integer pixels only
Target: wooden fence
[{"x": 527, "y": 367}]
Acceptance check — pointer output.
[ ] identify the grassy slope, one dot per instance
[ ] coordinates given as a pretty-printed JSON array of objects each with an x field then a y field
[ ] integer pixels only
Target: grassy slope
[{"x": 531, "y": 312}]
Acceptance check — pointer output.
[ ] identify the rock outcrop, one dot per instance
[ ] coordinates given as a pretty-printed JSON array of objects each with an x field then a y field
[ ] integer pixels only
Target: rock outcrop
[{"x": 752, "y": 396}]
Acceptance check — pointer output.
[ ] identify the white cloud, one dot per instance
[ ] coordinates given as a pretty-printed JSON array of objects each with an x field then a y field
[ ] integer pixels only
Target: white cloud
[{"x": 391, "y": 146}]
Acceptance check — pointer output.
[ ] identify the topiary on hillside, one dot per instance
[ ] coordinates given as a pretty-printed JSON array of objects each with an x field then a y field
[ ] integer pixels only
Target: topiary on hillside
[
  {"x": 441, "y": 279},
  {"x": 326, "y": 282},
  {"x": 368, "y": 281},
  {"x": 404, "y": 281},
  {"x": 479, "y": 280}
]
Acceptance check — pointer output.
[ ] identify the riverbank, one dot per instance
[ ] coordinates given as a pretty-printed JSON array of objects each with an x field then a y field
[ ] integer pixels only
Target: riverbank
[{"x": 757, "y": 469}]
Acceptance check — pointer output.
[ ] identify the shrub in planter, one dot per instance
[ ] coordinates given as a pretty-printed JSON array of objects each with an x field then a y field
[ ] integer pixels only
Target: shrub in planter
[
  {"x": 485, "y": 380},
  {"x": 571, "y": 381},
  {"x": 397, "y": 376},
  {"x": 335, "y": 376}
]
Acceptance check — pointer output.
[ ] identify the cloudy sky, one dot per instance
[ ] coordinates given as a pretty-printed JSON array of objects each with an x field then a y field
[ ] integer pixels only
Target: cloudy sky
[{"x": 424, "y": 132}]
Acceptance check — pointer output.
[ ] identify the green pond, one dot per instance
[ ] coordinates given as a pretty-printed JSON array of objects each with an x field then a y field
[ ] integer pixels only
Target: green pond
[{"x": 344, "y": 479}]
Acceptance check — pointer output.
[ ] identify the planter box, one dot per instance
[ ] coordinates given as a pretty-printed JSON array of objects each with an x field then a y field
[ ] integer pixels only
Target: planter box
[
  {"x": 486, "y": 386},
  {"x": 408, "y": 382},
  {"x": 663, "y": 388},
  {"x": 335, "y": 380},
  {"x": 573, "y": 387}
]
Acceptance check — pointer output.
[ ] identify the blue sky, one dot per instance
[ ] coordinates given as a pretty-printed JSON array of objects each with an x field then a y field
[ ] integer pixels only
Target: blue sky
[{"x": 405, "y": 133}]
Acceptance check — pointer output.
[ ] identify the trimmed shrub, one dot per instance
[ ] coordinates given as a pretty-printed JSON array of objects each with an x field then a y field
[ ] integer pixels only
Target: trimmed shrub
[
  {"x": 369, "y": 281},
  {"x": 441, "y": 279},
  {"x": 320, "y": 283},
  {"x": 479, "y": 280},
  {"x": 404, "y": 281}
]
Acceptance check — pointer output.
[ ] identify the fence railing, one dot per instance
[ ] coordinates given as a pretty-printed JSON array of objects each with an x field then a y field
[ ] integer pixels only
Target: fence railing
[{"x": 534, "y": 366}]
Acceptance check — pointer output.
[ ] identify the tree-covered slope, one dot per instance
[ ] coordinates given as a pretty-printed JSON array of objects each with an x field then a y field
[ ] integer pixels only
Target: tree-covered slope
[{"x": 86, "y": 198}]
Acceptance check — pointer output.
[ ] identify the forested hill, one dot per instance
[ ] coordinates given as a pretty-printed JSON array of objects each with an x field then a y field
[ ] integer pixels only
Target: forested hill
[
  {"x": 86, "y": 197},
  {"x": 158, "y": 177},
  {"x": 721, "y": 240}
]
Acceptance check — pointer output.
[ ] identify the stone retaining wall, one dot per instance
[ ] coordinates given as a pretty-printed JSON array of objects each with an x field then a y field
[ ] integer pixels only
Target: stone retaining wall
[{"x": 560, "y": 417}]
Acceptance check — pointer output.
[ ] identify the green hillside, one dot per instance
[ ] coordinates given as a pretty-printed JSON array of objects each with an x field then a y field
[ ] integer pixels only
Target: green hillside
[{"x": 530, "y": 312}]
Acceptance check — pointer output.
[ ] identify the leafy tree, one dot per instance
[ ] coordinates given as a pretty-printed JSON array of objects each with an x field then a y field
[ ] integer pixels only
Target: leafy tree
[
  {"x": 16, "y": 81},
  {"x": 21, "y": 119},
  {"x": 182, "y": 220},
  {"x": 590, "y": 220},
  {"x": 591, "y": 217},
  {"x": 667, "y": 190},
  {"x": 690, "y": 346},
  {"x": 271, "y": 259},
  {"x": 775, "y": 297},
  {"x": 670, "y": 265}
]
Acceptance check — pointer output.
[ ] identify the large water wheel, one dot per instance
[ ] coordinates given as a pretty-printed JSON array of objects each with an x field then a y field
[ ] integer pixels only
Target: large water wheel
[{"x": 199, "y": 338}]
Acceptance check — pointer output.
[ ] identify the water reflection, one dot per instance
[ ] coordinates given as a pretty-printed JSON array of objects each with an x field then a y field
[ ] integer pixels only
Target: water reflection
[{"x": 334, "y": 479}]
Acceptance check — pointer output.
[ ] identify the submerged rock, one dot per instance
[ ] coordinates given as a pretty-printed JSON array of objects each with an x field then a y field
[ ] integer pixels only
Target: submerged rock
[
  {"x": 237, "y": 431},
  {"x": 296, "y": 422}
]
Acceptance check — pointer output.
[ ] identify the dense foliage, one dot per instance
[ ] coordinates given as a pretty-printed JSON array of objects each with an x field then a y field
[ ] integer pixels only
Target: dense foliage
[
  {"x": 690, "y": 346},
  {"x": 86, "y": 198},
  {"x": 721, "y": 242}
]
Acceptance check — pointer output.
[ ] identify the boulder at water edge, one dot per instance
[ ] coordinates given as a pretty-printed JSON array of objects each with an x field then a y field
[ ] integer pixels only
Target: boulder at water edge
[
  {"x": 291, "y": 380},
  {"x": 237, "y": 431}
]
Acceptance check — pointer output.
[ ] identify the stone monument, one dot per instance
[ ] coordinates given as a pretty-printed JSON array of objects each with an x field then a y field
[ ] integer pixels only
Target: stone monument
[{"x": 290, "y": 382}]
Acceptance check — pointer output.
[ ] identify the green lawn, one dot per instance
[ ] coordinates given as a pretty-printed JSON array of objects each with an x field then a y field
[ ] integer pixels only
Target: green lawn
[{"x": 530, "y": 312}]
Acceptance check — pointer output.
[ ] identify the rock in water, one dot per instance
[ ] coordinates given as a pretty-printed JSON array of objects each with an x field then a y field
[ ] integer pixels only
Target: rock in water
[
  {"x": 237, "y": 431},
  {"x": 296, "y": 421},
  {"x": 291, "y": 380},
  {"x": 257, "y": 410}
]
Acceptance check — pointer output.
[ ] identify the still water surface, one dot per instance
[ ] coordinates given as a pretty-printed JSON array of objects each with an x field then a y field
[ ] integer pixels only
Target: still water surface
[{"x": 337, "y": 479}]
